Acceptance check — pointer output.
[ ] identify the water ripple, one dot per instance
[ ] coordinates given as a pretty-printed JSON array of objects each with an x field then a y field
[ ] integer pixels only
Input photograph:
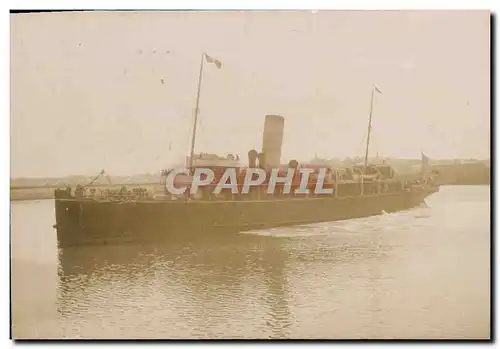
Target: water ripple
[{"x": 423, "y": 273}]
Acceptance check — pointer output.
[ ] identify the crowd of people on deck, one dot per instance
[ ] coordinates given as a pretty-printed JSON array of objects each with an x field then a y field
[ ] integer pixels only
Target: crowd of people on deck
[{"x": 123, "y": 194}]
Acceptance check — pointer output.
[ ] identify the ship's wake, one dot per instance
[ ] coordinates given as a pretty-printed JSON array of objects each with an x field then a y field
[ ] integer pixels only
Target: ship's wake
[{"x": 347, "y": 227}]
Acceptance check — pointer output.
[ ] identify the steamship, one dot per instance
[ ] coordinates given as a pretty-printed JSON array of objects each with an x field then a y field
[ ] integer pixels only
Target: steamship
[{"x": 138, "y": 216}]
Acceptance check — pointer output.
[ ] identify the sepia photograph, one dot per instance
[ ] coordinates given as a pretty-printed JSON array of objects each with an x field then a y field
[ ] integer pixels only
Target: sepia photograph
[{"x": 250, "y": 174}]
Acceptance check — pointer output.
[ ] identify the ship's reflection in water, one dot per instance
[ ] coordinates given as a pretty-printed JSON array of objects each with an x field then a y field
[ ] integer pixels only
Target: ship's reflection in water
[
  {"x": 201, "y": 288},
  {"x": 237, "y": 286},
  {"x": 423, "y": 273}
]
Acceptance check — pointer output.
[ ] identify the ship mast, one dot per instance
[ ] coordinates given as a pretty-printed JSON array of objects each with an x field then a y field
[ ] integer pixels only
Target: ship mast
[
  {"x": 374, "y": 88},
  {"x": 196, "y": 110}
]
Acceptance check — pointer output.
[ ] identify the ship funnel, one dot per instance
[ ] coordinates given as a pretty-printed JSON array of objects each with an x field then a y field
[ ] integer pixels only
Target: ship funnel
[
  {"x": 262, "y": 160},
  {"x": 252, "y": 158},
  {"x": 272, "y": 139}
]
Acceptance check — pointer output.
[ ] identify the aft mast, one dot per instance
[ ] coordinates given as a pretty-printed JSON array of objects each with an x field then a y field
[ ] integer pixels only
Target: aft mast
[{"x": 374, "y": 89}]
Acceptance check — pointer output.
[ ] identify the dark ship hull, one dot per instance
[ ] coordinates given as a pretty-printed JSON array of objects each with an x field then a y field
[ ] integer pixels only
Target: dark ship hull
[{"x": 88, "y": 221}]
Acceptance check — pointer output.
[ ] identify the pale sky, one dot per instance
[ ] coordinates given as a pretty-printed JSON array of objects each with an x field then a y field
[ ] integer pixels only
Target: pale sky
[{"x": 112, "y": 90}]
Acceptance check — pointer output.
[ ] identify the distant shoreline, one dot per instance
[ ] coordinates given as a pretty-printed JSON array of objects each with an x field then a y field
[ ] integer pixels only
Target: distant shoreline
[
  {"x": 56, "y": 186},
  {"x": 30, "y": 199}
]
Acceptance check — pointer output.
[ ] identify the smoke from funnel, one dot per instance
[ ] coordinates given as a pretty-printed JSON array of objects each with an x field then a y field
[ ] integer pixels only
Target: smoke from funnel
[{"x": 272, "y": 139}]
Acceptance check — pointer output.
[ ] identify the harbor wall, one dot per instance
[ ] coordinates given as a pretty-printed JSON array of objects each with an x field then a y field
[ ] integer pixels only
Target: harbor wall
[{"x": 463, "y": 174}]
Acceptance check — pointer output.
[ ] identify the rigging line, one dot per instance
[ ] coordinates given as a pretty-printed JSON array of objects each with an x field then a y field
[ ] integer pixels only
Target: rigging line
[{"x": 361, "y": 143}]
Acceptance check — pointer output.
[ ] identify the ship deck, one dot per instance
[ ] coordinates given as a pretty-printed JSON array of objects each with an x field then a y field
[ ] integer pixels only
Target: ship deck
[{"x": 219, "y": 201}]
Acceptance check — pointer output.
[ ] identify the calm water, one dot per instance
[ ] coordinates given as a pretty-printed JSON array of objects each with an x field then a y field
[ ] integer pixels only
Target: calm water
[{"x": 423, "y": 273}]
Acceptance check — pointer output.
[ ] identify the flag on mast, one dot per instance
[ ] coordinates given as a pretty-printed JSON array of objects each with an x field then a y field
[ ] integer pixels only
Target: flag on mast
[
  {"x": 376, "y": 89},
  {"x": 213, "y": 60}
]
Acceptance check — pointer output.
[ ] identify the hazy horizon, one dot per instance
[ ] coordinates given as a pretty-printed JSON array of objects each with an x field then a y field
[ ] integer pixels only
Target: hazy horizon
[
  {"x": 156, "y": 172},
  {"x": 117, "y": 90}
]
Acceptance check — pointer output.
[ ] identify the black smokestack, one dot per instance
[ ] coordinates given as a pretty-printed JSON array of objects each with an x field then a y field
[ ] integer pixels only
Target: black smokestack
[
  {"x": 272, "y": 139},
  {"x": 262, "y": 160},
  {"x": 252, "y": 158}
]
